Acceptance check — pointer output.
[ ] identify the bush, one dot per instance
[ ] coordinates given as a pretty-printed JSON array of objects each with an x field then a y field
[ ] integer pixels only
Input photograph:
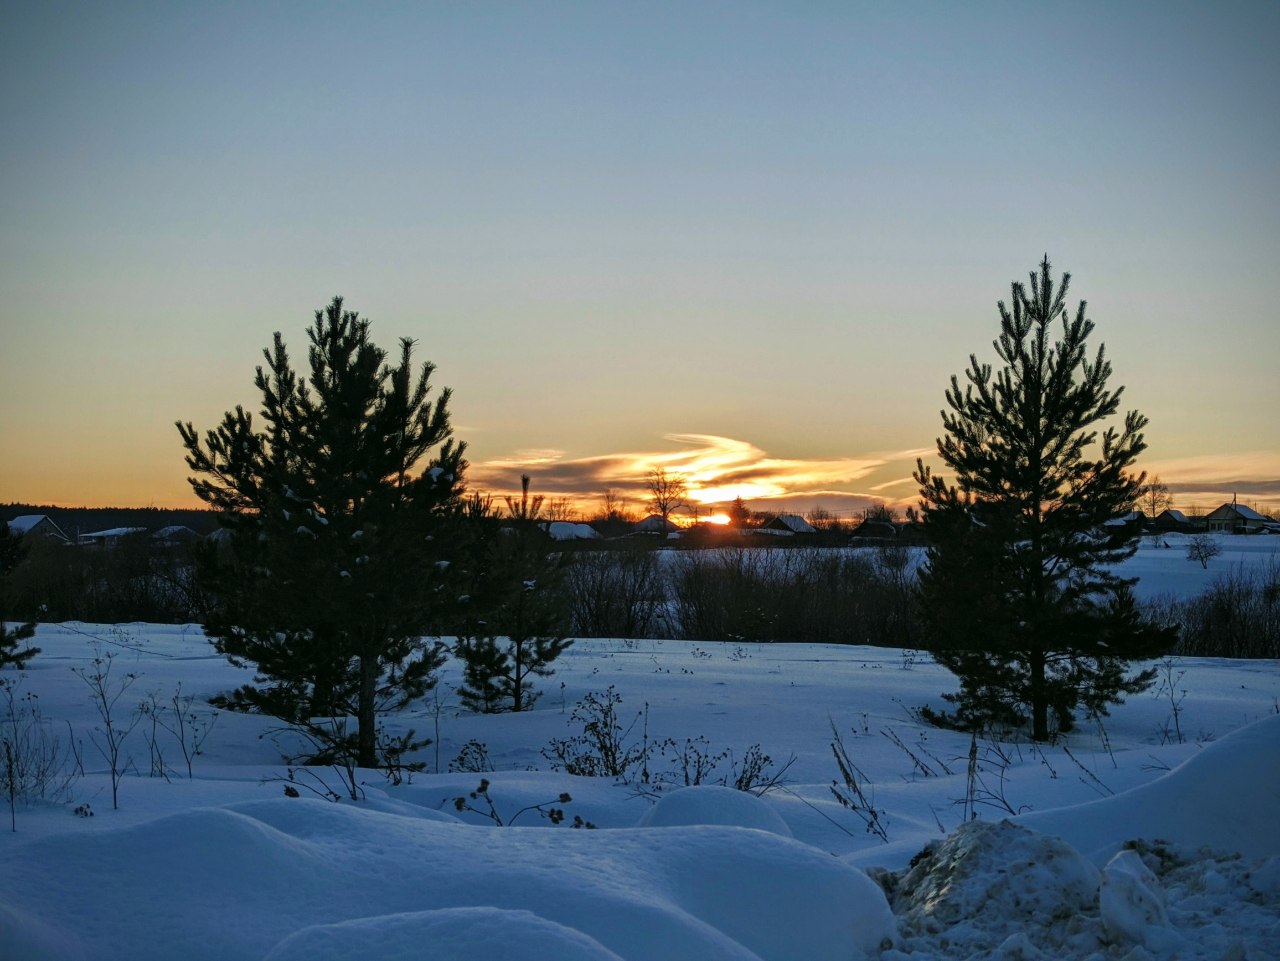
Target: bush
[
  {"x": 604, "y": 748},
  {"x": 617, "y": 593},
  {"x": 1239, "y": 616},
  {"x": 795, "y": 594},
  {"x": 35, "y": 764}
]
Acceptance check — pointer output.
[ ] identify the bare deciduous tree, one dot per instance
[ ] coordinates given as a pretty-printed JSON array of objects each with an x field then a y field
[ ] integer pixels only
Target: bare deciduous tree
[
  {"x": 1154, "y": 497},
  {"x": 560, "y": 509},
  {"x": 667, "y": 493},
  {"x": 615, "y": 506},
  {"x": 1202, "y": 548}
]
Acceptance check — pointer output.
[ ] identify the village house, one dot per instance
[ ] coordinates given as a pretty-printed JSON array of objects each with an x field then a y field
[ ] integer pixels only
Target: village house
[
  {"x": 38, "y": 525},
  {"x": 1238, "y": 519}
]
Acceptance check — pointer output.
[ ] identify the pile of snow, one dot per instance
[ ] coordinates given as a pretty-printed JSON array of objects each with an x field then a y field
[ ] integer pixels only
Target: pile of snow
[
  {"x": 1003, "y": 890},
  {"x": 1225, "y": 798},
  {"x": 711, "y": 804}
]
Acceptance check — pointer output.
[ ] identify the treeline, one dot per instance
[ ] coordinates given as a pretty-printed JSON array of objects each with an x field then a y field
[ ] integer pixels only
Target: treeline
[
  {"x": 634, "y": 588},
  {"x": 134, "y": 578},
  {"x": 847, "y": 596}
]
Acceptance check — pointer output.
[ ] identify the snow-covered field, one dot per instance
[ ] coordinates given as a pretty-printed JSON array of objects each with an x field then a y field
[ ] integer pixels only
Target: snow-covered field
[{"x": 224, "y": 865}]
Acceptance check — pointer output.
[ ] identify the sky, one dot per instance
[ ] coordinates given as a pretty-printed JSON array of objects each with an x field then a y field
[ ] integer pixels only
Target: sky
[{"x": 747, "y": 242}]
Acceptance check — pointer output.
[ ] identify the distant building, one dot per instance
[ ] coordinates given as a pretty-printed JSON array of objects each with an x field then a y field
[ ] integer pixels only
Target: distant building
[
  {"x": 790, "y": 524},
  {"x": 1237, "y": 519},
  {"x": 566, "y": 531},
  {"x": 109, "y": 538},
  {"x": 175, "y": 535},
  {"x": 654, "y": 524},
  {"x": 1134, "y": 521},
  {"x": 882, "y": 530},
  {"x": 38, "y": 525},
  {"x": 1173, "y": 522}
]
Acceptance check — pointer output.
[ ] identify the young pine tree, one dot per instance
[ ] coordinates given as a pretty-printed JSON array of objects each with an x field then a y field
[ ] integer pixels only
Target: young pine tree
[
  {"x": 12, "y": 550},
  {"x": 337, "y": 555},
  {"x": 518, "y": 609},
  {"x": 1018, "y": 588}
]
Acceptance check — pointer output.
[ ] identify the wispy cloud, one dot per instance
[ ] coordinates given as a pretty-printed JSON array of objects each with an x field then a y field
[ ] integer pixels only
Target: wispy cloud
[
  {"x": 1210, "y": 479},
  {"x": 717, "y": 469}
]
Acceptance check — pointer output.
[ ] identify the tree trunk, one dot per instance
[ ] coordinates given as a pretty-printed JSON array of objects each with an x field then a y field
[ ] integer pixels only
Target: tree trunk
[
  {"x": 1039, "y": 698},
  {"x": 517, "y": 675},
  {"x": 366, "y": 721}
]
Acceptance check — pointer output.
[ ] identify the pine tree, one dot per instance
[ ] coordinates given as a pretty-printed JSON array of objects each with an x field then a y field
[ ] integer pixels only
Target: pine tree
[
  {"x": 518, "y": 607},
  {"x": 1018, "y": 587},
  {"x": 337, "y": 550},
  {"x": 12, "y": 550}
]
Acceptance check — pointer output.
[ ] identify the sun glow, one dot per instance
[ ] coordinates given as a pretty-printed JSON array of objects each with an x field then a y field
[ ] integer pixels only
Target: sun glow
[
  {"x": 715, "y": 470},
  {"x": 721, "y": 519}
]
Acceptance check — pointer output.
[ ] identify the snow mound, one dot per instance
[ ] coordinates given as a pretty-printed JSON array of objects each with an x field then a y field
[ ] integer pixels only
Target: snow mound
[
  {"x": 713, "y": 804},
  {"x": 446, "y": 935},
  {"x": 1223, "y": 798},
  {"x": 307, "y": 878},
  {"x": 22, "y": 936}
]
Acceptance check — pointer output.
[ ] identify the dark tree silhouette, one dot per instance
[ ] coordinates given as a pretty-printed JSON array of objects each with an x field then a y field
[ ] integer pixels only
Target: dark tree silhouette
[
  {"x": 12, "y": 550},
  {"x": 519, "y": 606},
  {"x": 336, "y": 555},
  {"x": 1018, "y": 587}
]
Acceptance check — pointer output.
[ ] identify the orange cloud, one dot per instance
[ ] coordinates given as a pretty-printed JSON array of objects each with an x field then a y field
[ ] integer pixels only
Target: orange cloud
[
  {"x": 716, "y": 469},
  {"x": 1209, "y": 480}
]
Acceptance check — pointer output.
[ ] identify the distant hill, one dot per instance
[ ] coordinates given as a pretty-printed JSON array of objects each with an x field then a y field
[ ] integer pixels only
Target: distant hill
[{"x": 87, "y": 520}]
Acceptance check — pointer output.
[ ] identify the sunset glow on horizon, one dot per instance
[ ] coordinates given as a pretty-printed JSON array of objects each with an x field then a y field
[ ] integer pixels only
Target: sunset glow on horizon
[{"x": 748, "y": 244}]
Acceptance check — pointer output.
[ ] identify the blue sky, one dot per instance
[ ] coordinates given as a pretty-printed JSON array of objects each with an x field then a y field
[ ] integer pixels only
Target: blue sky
[{"x": 634, "y": 233}]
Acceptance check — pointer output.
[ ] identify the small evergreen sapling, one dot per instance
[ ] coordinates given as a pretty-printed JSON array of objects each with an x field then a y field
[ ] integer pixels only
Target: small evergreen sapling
[
  {"x": 1018, "y": 589},
  {"x": 340, "y": 503},
  {"x": 518, "y": 607}
]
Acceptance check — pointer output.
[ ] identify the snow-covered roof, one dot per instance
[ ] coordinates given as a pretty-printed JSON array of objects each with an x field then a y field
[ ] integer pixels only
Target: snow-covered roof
[
  {"x": 20, "y": 525},
  {"x": 175, "y": 533},
  {"x": 655, "y": 523},
  {"x": 1248, "y": 513},
  {"x": 1178, "y": 516},
  {"x": 1129, "y": 518},
  {"x": 565, "y": 531},
  {"x": 36, "y": 522},
  {"x": 112, "y": 534},
  {"x": 796, "y": 524}
]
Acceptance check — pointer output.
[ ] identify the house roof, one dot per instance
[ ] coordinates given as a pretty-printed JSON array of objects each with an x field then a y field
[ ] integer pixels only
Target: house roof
[
  {"x": 1130, "y": 518},
  {"x": 113, "y": 533},
  {"x": 20, "y": 525},
  {"x": 566, "y": 531},
  {"x": 654, "y": 523},
  {"x": 176, "y": 532},
  {"x": 794, "y": 523},
  {"x": 1240, "y": 511},
  {"x": 1249, "y": 514},
  {"x": 29, "y": 522}
]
